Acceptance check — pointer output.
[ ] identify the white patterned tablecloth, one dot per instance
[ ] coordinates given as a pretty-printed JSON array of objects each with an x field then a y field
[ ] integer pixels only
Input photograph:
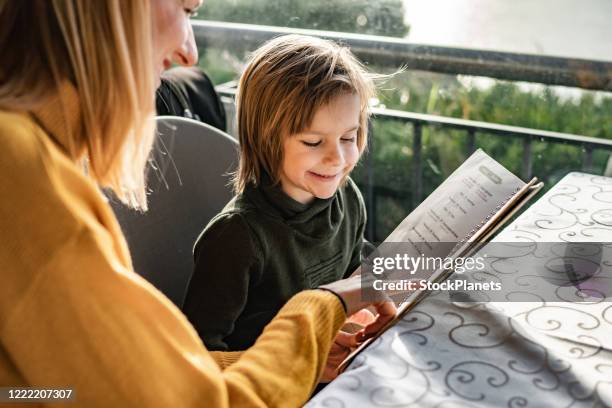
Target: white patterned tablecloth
[{"x": 492, "y": 354}]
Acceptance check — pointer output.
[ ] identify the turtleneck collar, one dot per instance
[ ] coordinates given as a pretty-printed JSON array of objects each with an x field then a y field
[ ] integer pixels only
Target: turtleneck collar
[
  {"x": 60, "y": 116},
  {"x": 316, "y": 218}
]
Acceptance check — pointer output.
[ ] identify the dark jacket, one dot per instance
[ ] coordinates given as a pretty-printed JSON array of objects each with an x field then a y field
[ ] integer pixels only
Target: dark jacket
[{"x": 189, "y": 92}]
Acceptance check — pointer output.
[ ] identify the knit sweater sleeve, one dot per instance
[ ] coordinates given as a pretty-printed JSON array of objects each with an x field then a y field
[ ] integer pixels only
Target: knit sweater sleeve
[
  {"x": 226, "y": 358},
  {"x": 226, "y": 263}
]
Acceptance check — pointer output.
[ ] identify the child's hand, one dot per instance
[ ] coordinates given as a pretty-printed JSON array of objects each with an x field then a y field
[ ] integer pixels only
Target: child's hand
[
  {"x": 351, "y": 292},
  {"x": 347, "y": 339}
]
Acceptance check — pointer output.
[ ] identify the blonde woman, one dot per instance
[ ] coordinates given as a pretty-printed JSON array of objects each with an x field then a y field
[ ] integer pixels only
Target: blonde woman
[{"x": 77, "y": 84}]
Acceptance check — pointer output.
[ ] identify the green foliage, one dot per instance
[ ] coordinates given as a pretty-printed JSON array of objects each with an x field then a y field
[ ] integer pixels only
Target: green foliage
[
  {"x": 443, "y": 149},
  {"x": 381, "y": 17}
]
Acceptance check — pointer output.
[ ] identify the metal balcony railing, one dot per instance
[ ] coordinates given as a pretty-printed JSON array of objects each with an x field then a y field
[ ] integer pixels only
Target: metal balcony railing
[
  {"x": 396, "y": 52},
  {"x": 471, "y": 128}
]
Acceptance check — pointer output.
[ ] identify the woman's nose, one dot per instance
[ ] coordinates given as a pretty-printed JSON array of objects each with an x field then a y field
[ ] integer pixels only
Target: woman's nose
[{"x": 187, "y": 54}]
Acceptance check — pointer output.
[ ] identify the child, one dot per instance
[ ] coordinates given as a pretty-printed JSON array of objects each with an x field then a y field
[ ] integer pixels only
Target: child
[{"x": 297, "y": 220}]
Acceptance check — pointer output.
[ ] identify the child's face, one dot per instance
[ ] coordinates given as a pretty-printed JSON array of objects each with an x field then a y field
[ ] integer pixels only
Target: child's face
[{"x": 316, "y": 160}]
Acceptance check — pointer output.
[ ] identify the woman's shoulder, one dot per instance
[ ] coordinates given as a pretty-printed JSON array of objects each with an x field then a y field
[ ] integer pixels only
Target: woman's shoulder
[
  {"x": 28, "y": 152},
  {"x": 27, "y": 163},
  {"x": 18, "y": 139},
  {"x": 39, "y": 188}
]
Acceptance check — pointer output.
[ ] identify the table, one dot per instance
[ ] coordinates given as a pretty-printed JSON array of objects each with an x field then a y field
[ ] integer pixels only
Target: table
[{"x": 500, "y": 354}]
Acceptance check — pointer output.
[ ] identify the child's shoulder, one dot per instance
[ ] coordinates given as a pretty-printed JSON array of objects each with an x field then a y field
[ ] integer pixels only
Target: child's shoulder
[
  {"x": 233, "y": 223},
  {"x": 241, "y": 204},
  {"x": 237, "y": 212},
  {"x": 229, "y": 222}
]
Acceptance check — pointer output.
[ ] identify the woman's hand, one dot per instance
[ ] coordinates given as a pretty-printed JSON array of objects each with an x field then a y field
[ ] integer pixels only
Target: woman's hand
[
  {"x": 345, "y": 342},
  {"x": 361, "y": 324},
  {"x": 350, "y": 291}
]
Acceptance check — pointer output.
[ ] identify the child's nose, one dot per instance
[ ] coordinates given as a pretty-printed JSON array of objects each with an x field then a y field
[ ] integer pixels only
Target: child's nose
[{"x": 333, "y": 155}]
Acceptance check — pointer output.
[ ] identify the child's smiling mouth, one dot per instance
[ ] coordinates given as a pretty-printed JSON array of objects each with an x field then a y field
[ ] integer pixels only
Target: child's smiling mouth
[{"x": 323, "y": 177}]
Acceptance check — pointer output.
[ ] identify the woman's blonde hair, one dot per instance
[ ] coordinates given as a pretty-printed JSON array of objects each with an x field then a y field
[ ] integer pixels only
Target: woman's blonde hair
[
  {"x": 104, "y": 49},
  {"x": 284, "y": 83}
]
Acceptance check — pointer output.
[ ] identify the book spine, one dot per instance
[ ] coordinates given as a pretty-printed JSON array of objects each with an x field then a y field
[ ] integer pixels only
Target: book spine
[{"x": 485, "y": 220}]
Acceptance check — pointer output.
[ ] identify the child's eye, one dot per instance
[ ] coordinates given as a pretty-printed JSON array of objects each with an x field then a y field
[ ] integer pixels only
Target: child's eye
[
  {"x": 311, "y": 144},
  {"x": 348, "y": 139}
]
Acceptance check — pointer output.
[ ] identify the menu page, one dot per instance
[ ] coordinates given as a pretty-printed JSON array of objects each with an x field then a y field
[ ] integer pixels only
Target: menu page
[
  {"x": 461, "y": 204},
  {"x": 453, "y": 213}
]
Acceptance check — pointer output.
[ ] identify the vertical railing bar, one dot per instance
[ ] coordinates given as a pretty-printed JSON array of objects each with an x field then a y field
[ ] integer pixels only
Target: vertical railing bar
[
  {"x": 375, "y": 218},
  {"x": 587, "y": 161},
  {"x": 471, "y": 141},
  {"x": 417, "y": 165},
  {"x": 370, "y": 194},
  {"x": 527, "y": 161}
]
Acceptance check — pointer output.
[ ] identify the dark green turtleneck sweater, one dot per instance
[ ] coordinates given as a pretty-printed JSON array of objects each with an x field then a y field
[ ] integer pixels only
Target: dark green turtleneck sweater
[{"x": 263, "y": 248}]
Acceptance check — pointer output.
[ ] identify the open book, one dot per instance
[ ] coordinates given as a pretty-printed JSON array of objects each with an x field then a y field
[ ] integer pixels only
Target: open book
[{"x": 465, "y": 210}]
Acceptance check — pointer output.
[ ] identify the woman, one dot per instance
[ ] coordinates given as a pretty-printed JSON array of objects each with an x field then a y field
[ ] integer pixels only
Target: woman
[{"x": 77, "y": 82}]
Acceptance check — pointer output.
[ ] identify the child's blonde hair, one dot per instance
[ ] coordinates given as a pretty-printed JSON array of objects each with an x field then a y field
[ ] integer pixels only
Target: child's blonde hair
[{"x": 285, "y": 82}]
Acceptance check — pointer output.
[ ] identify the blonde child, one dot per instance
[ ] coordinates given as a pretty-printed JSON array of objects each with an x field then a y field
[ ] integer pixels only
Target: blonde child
[{"x": 297, "y": 221}]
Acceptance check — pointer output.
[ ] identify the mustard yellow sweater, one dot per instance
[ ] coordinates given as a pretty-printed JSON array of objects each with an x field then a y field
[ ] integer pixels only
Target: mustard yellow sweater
[{"x": 74, "y": 314}]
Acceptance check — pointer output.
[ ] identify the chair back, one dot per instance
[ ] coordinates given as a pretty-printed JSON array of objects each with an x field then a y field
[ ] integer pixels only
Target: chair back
[{"x": 188, "y": 181}]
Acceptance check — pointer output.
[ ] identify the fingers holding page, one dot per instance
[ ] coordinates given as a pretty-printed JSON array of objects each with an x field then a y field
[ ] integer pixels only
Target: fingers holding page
[{"x": 386, "y": 313}]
